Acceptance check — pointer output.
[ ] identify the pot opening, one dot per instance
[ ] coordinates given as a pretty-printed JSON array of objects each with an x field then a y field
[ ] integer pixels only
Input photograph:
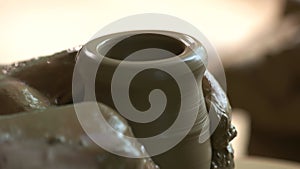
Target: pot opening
[{"x": 142, "y": 47}]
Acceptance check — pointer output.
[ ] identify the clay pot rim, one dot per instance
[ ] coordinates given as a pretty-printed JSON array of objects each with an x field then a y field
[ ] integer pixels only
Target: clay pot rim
[{"x": 191, "y": 53}]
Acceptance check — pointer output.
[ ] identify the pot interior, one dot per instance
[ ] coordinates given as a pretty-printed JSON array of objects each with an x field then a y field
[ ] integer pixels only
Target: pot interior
[{"x": 142, "y": 47}]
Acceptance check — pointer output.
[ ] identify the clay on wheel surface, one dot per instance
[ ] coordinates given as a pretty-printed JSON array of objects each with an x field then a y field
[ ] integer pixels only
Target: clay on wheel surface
[{"x": 51, "y": 128}]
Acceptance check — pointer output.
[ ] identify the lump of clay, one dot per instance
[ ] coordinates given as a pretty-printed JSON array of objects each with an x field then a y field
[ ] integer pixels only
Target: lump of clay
[
  {"x": 218, "y": 104},
  {"x": 45, "y": 135},
  {"x": 16, "y": 96},
  {"x": 51, "y": 75},
  {"x": 53, "y": 138},
  {"x": 24, "y": 154}
]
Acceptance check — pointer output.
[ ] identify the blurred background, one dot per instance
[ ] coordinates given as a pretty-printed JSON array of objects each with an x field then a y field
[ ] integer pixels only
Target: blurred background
[{"x": 258, "y": 41}]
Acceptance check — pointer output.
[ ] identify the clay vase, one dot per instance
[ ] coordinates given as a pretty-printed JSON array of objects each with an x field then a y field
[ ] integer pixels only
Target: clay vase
[{"x": 148, "y": 51}]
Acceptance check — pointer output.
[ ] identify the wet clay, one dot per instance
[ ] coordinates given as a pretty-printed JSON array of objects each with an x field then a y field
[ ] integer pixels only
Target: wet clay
[
  {"x": 16, "y": 96},
  {"x": 50, "y": 80},
  {"x": 51, "y": 76},
  {"x": 189, "y": 153},
  {"x": 54, "y": 138},
  {"x": 217, "y": 102}
]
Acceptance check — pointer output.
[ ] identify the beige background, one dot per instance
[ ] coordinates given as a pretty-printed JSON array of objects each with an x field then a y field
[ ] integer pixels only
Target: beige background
[{"x": 32, "y": 28}]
